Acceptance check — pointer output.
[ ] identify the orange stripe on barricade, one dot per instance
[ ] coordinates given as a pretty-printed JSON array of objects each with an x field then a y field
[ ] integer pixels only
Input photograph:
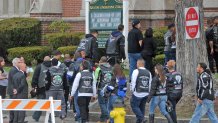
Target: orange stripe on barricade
[
  {"x": 13, "y": 104},
  {"x": 59, "y": 108},
  {"x": 31, "y": 104},
  {"x": 46, "y": 105}
]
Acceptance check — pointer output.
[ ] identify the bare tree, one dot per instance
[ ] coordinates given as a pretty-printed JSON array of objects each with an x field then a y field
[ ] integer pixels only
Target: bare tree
[{"x": 189, "y": 52}]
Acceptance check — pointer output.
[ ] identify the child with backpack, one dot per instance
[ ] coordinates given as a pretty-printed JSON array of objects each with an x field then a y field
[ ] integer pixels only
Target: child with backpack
[
  {"x": 103, "y": 74},
  {"x": 117, "y": 88}
]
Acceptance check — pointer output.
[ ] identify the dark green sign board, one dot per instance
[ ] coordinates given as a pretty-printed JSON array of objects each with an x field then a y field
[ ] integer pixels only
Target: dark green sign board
[{"x": 105, "y": 16}]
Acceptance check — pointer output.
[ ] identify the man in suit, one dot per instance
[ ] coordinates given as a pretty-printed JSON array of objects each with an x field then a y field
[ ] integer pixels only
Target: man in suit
[
  {"x": 16, "y": 63},
  {"x": 20, "y": 91}
]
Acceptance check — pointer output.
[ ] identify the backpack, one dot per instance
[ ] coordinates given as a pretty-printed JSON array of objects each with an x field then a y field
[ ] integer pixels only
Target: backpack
[
  {"x": 70, "y": 73},
  {"x": 85, "y": 45},
  {"x": 111, "y": 47},
  {"x": 105, "y": 77},
  {"x": 42, "y": 76}
]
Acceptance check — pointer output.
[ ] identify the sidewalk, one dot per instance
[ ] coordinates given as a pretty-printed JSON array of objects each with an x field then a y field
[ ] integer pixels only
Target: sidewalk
[{"x": 94, "y": 116}]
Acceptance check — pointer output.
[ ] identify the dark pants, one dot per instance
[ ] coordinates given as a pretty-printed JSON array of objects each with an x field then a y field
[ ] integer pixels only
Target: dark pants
[
  {"x": 215, "y": 56},
  {"x": 112, "y": 60},
  {"x": 167, "y": 57},
  {"x": 3, "y": 91},
  {"x": 37, "y": 114},
  {"x": 149, "y": 64},
  {"x": 210, "y": 60},
  {"x": 66, "y": 95},
  {"x": 174, "y": 99},
  {"x": 138, "y": 107},
  {"x": 19, "y": 116},
  {"x": 11, "y": 116},
  {"x": 83, "y": 103},
  {"x": 173, "y": 54}
]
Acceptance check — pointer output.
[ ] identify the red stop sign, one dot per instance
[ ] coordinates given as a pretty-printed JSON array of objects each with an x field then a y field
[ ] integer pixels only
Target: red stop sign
[{"x": 192, "y": 23}]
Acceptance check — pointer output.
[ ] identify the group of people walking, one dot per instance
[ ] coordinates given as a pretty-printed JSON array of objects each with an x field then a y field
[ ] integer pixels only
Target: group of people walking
[{"x": 85, "y": 77}]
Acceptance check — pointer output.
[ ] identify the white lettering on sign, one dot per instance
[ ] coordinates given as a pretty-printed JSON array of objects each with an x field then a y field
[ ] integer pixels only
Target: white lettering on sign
[
  {"x": 105, "y": 19},
  {"x": 192, "y": 25}
]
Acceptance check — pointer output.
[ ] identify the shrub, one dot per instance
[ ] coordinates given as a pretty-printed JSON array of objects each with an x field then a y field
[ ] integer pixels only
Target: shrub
[
  {"x": 29, "y": 53},
  {"x": 59, "y": 26},
  {"x": 159, "y": 59},
  {"x": 67, "y": 49},
  {"x": 17, "y": 32},
  {"x": 56, "y": 40},
  {"x": 159, "y": 39}
]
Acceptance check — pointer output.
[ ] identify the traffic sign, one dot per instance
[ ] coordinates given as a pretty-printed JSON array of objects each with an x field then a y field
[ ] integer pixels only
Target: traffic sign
[{"x": 192, "y": 25}]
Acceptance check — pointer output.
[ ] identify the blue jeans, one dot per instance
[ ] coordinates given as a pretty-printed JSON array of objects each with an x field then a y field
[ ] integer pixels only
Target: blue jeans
[
  {"x": 207, "y": 107},
  {"x": 77, "y": 117},
  {"x": 158, "y": 101},
  {"x": 112, "y": 100},
  {"x": 138, "y": 107},
  {"x": 103, "y": 103},
  {"x": 167, "y": 56},
  {"x": 133, "y": 57}
]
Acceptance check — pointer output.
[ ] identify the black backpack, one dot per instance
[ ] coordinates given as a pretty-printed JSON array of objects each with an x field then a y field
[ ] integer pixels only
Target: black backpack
[
  {"x": 111, "y": 47},
  {"x": 85, "y": 45}
]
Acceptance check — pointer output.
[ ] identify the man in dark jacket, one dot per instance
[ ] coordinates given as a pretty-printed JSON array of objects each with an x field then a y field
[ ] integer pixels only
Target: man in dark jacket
[
  {"x": 20, "y": 91},
  {"x": 214, "y": 40},
  {"x": 38, "y": 82},
  {"x": 209, "y": 44},
  {"x": 168, "y": 43},
  {"x": 16, "y": 63},
  {"x": 205, "y": 96},
  {"x": 115, "y": 46},
  {"x": 94, "y": 55},
  {"x": 174, "y": 87},
  {"x": 57, "y": 84},
  {"x": 135, "y": 39}
]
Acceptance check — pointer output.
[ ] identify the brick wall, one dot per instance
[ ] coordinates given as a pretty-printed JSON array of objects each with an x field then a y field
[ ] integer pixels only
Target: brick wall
[{"x": 71, "y": 8}]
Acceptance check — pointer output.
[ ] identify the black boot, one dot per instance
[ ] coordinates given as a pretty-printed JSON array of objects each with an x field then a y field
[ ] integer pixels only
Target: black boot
[
  {"x": 169, "y": 119},
  {"x": 151, "y": 118}
]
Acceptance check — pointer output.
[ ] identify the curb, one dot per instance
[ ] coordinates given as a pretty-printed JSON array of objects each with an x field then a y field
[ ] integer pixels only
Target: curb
[{"x": 132, "y": 119}]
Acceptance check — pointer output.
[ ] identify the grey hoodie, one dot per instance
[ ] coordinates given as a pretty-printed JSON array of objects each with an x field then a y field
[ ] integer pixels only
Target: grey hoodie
[{"x": 167, "y": 40}]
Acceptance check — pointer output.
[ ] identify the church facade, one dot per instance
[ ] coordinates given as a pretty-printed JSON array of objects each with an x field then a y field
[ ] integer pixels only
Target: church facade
[{"x": 152, "y": 13}]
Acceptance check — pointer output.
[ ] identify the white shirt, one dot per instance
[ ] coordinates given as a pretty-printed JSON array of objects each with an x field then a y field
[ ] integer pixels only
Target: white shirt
[
  {"x": 133, "y": 83},
  {"x": 76, "y": 85}
]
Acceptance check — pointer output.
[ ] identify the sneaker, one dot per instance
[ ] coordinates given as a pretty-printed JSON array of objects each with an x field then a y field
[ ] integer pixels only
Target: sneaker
[{"x": 62, "y": 117}]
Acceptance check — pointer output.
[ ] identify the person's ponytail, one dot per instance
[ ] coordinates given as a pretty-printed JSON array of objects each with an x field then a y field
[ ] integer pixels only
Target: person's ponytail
[{"x": 208, "y": 71}]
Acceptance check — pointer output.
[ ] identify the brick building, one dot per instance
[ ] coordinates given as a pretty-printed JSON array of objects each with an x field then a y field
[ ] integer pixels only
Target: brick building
[{"x": 152, "y": 13}]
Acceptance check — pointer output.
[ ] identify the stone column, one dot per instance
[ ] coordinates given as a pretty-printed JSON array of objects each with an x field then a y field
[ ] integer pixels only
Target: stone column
[
  {"x": 82, "y": 11},
  {"x": 11, "y": 7},
  {"x": 1, "y": 8},
  {"x": 126, "y": 26},
  {"x": 22, "y": 7}
]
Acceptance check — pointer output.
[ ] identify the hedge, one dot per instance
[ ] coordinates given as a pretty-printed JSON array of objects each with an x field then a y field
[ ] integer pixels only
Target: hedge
[
  {"x": 67, "y": 49},
  {"x": 17, "y": 32},
  {"x": 29, "y": 53},
  {"x": 159, "y": 39},
  {"x": 159, "y": 59},
  {"x": 56, "y": 40}
]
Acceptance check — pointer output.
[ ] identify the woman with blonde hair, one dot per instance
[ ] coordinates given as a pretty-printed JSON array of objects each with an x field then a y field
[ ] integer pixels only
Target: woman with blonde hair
[{"x": 158, "y": 94}]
